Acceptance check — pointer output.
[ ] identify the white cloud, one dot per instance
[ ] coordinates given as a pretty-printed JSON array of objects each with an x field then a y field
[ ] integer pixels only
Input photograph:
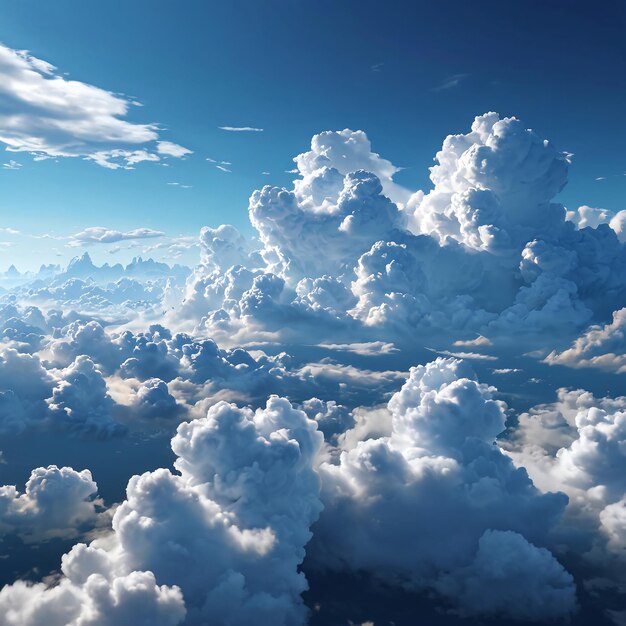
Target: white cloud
[
  {"x": 241, "y": 129},
  {"x": 57, "y": 502},
  {"x": 364, "y": 349},
  {"x": 172, "y": 149},
  {"x": 473, "y": 343},
  {"x": 602, "y": 347},
  {"x": 228, "y": 531},
  {"x": 48, "y": 115},
  {"x": 442, "y": 485},
  {"x": 99, "y": 234}
]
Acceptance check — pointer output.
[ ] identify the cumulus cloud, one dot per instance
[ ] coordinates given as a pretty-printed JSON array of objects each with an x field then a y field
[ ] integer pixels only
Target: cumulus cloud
[
  {"x": 57, "y": 502},
  {"x": 586, "y": 216},
  {"x": 577, "y": 445},
  {"x": 347, "y": 251},
  {"x": 511, "y": 577},
  {"x": 438, "y": 469},
  {"x": 49, "y": 115},
  {"x": 80, "y": 401},
  {"x": 223, "y": 537}
]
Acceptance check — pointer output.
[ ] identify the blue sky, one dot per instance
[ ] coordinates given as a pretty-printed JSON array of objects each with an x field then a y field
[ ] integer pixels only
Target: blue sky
[{"x": 408, "y": 73}]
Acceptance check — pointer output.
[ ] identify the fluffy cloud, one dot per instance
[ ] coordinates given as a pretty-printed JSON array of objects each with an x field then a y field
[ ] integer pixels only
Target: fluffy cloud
[
  {"x": 577, "y": 445},
  {"x": 342, "y": 215},
  {"x": 418, "y": 507},
  {"x": 342, "y": 254},
  {"x": 57, "y": 502},
  {"x": 24, "y": 386},
  {"x": 80, "y": 401},
  {"x": 48, "y": 115},
  {"x": 511, "y": 577},
  {"x": 102, "y": 600},
  {"x": 226, "y": 533},
  {"x": 343, "y": 151},
  {"x": 423, "y": 490},
  {"x": 586, "y": 216},
  {"x": 493, "y": 186}
]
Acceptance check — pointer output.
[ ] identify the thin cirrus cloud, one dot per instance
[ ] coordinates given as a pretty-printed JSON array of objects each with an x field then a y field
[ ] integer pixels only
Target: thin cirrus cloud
[
  {"x": 241, "y": 129},
  {"x": 47, "y": 115},
  {"x": 98, "y": 234},
  {"x": 450, "y": 82}
]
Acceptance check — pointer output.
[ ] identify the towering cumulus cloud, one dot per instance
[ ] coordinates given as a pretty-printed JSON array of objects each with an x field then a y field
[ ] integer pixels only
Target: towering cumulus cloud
[
  {"x": 437, "y": 505},
  {"x": 346, "y": 252},
  {"x": 218, "y": 542}
]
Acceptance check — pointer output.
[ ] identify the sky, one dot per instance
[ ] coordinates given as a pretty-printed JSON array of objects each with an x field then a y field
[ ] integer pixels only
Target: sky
[{"x": 407, "y": 73}]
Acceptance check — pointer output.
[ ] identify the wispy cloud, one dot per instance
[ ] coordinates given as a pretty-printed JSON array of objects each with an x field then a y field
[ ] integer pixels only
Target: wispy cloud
[
  {"x": 11, "y": 165},
  {"x": 59, "y": 117},
  {"x": 241, "y": 129},
  {"x": 180, "y": 185},
  {"x": 464, "y": 355},
  {"x": 222, "y": 168},
  {"x": 450, "y": 82},
  {"x": 169, "y": 148}
]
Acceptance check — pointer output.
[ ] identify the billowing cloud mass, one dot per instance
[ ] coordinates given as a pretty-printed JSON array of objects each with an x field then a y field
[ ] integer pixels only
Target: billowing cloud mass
[
  {"x": 313, "y": 431},
  {"x": 48, "y": 115},
  {"x": 223, "y": 537},
  {"x": 578, "y": 445},
  {"x": 347, "y": 251},
  {"x": 57, "y": 502},
  {"x": 439, "y": 468}
]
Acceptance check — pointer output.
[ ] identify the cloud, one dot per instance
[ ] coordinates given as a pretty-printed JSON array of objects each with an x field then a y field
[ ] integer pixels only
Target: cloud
[
  {"x": 347, "y": 245},
  {"x": 12, "y": 165},
  {"x": 473, "y": 343},
  {"x": 99, "y": 234},
  {"x": 48, "y": 115},
  {"x": 168, "y": 148},
  {"x": 602, "y": 347},
  {"x": 57, "y": 502},
  {"x": 577, "y": 445},
  {"x": 222, "y": 168},
  {"x": 80, "y": 401},
  {"x": 363, "y": 349},
  {"x": 223, "y": 536},
  {"x": 511, "y": 577},
  {"x": 241, "y": 129},
  {"x": 466, "y": 355},
  {"x": 442, "y": 485},
  {"x": 450, "y": 82}
]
